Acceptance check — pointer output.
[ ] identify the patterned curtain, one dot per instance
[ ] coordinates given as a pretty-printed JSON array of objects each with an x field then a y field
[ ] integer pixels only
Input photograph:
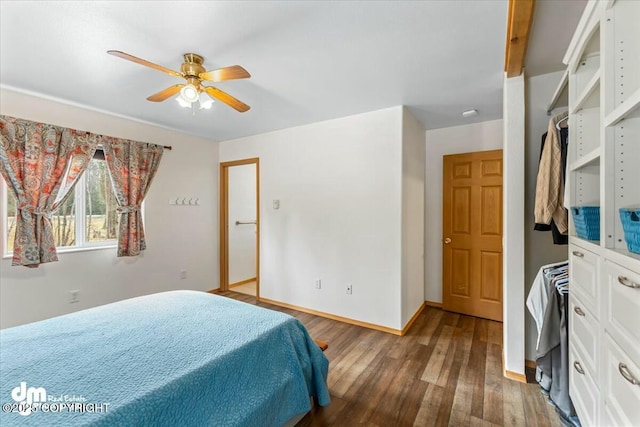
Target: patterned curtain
[
  {"x": 132, "y": 166},
  {"x": 41, "y": 164}
]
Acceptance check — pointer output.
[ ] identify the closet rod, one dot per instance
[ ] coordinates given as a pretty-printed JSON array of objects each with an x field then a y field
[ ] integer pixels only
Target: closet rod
[{"x": 558, "y": 92}]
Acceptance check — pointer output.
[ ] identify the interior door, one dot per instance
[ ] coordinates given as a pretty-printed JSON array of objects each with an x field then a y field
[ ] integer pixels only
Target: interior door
[
  {"x": 240, "y": 224},
  {"x": 242, "y": 212},
  {"x": 472, "y": 234}
]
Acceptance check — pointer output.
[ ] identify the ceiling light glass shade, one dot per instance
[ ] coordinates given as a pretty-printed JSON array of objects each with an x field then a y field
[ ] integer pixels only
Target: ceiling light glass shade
[
  {"x": 182, "y": 102},
  {"x": 205, "y": 101},
  {"x": 189, "y": 93}
]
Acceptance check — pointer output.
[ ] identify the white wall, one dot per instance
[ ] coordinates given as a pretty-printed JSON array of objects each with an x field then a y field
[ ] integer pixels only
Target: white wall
[
  {"x": 242, "y": 238},
  {"x": 339, "y": 183},
  {"x": 539, "y": 247},
  {"x": 177, "y": 237},
  {"x": 413, "y": 169},
  {"x": 439, "y": 142},
  {"x": 513, "y": 247}
]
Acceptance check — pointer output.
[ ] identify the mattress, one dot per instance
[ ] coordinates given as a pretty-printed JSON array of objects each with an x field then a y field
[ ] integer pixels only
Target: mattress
[{"x": 175, "y": 358}]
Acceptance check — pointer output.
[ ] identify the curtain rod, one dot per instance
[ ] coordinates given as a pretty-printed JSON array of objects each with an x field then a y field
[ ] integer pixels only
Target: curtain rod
[{"x": 166, "y": 147}]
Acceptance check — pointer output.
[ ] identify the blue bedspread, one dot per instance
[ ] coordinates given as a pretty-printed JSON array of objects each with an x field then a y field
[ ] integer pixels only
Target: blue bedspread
[{"x": 180, "y": 358}]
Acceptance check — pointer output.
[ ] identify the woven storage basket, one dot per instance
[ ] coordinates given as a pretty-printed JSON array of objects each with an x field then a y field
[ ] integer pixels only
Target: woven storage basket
[
  {"x": 630, "y": 218},
  {"x": 586, "y": 220}
]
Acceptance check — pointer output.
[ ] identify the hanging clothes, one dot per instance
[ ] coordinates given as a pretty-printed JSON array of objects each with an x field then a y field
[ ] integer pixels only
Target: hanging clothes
[
  {"x": 538, "y": 297},
  {"x": 558, "y": 237},
  {"x": 549, "y": 211},
  {"x": 552, "y": 351}
]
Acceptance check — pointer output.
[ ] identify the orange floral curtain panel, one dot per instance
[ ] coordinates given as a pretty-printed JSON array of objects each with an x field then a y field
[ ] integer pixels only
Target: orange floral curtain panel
[
  {"x": 132, "y": 166},
  {"x": 41, "y": 164}
]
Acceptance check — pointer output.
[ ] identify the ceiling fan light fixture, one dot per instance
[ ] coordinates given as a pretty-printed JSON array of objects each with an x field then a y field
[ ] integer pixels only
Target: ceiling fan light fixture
[
  {"x": 182, "y": 102},
  {"x": 205, "y": 101},
  {"x": 189, "y": 93},
  {"x": 194, "y": 73}
]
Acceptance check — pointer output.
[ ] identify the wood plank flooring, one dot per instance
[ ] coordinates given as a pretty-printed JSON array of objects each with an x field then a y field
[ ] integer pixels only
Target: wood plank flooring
[
  {"x": 446, "y": 371},
  {"x": 248, "y": 288}
]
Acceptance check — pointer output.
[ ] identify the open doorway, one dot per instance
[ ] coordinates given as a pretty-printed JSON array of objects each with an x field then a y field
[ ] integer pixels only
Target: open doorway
[{"x": 240, "y": 226}]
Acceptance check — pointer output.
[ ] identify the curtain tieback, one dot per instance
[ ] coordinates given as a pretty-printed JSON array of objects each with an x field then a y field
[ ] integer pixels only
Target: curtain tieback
[
  {"x": 128, "y": 209},
  {"x": 34, "y": 210}
]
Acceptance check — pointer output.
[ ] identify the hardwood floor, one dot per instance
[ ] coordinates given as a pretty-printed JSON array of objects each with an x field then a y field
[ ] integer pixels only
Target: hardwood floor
[
  {"x": 446, "y": 371},
  {"x": 248, "y": 288}
]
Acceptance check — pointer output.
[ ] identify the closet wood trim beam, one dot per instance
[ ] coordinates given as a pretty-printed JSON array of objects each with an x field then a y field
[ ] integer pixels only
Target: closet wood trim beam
[{"x": 518, "y": 29}]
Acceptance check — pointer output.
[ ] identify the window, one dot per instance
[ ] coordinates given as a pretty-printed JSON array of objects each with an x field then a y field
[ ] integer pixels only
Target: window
[
  {"x": 101, "y": 218},
  {"x": 88, "y": 217}
]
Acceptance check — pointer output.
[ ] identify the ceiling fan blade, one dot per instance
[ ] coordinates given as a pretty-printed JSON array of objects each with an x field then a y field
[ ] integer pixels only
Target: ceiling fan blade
[
  {"x": 227, "y": 73},
  {"x": 166, "y": 93},
  {"x": 227, "y": 99},
  {"x": 144, "y": 62}
]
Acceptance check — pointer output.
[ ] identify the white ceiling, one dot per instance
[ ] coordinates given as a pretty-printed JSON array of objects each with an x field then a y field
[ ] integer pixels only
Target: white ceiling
[{"x": 310, "y": 60}]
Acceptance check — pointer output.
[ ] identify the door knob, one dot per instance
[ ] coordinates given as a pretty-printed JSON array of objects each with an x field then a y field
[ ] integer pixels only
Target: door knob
[{"x": 447, "y": 241}]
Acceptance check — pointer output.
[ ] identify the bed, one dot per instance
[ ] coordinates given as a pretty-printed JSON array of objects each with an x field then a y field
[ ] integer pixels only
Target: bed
[{"x": 180, "y": 358}]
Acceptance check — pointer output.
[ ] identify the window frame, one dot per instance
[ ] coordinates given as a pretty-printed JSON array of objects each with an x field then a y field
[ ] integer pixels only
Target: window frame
[{"x": 81, "y": 243}]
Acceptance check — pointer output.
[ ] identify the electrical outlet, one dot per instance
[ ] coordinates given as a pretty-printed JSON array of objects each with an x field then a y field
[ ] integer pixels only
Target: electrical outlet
[
  {"x": 318, "y": 284},
  {"x": 349, "y": 289},
  {"x": 74, "y": 297},
  {"x": 183, "y": 274}
]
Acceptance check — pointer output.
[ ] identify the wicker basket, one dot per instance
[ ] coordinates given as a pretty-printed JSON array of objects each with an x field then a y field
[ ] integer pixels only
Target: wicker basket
[
  {"x": 630, "y": 218},
  {"x": 586, "y": 220}
]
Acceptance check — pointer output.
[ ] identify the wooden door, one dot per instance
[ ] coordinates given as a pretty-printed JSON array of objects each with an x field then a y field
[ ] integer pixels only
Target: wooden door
[{"x": 472, "y": 234}]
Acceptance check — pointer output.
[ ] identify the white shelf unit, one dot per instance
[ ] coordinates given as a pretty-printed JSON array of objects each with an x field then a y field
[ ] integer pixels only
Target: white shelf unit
[
  {"x": 604, "y": 170},
  {"x": 621, "y": 130},
  {"x": 589, "y": 98},
  {"x": 625, "y": 48},
  {"x": 589, "y": 161},
  {"x": 623, "y": 149},
  {"x": 590, "y": 245},
  {"x": 629, "y": 109},
  {"x": 584, "y": 150}
]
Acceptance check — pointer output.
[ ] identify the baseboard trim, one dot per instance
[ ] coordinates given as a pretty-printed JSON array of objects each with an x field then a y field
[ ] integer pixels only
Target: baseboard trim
[
  {"x": 433, "y": 304},
  {"x": 515, "y": 376},
  {"x": 530, "y": 364},
  {"x": 242, "y": 282},
  {"x": 214, "y": 291},
  {"x": 334, "y": 317},
  {"x": 413, "y": 319}
]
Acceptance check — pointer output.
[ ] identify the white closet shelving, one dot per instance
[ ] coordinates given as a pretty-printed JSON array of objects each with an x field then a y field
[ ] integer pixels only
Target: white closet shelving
[{"x": 604, "y": 170}]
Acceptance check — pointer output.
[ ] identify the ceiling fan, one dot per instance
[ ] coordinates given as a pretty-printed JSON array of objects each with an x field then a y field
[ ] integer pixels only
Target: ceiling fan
[{"x": 194, "y": 73}]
